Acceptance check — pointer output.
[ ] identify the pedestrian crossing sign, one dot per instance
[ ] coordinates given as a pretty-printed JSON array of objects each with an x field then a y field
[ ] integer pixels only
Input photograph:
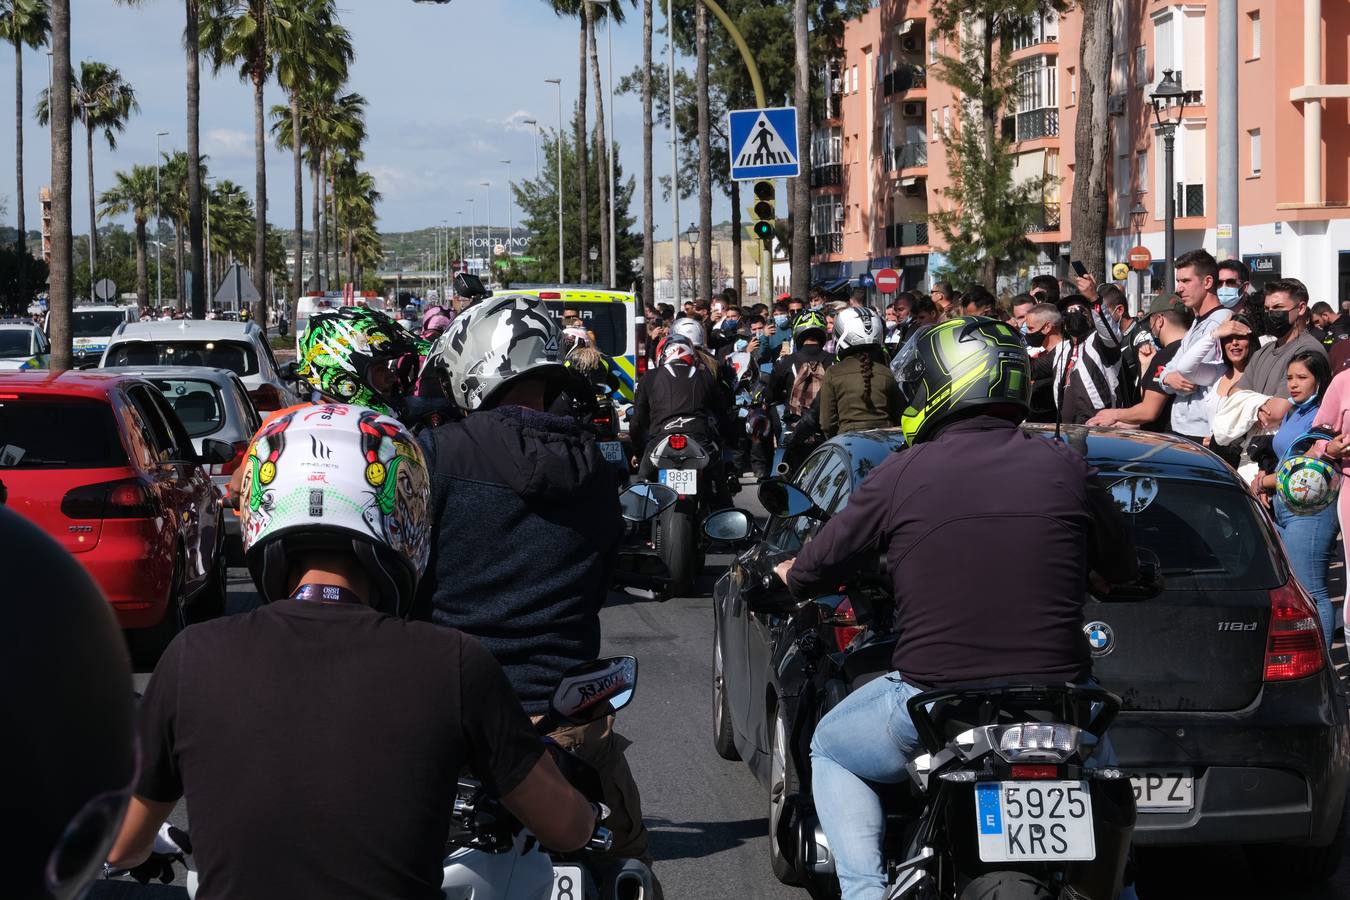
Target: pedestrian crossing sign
[{"x": 764, "y": 143}]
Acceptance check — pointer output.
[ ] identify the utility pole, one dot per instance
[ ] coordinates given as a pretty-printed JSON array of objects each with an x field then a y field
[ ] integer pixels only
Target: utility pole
[
  {"x": 558, "y": 147},
  {"x": 159, "y": 230},
  {"x": 1226, "y": 182},
  {"x": 674, "y": 166}
]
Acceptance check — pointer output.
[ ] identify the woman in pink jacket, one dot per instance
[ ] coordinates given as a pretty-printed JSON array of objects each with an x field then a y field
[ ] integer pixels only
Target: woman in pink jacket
[{"x": 1334, "y": 415}]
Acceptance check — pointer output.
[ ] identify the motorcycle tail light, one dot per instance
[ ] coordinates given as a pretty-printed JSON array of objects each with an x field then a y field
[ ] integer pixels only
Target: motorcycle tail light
[
  {"x": 678, "y": 442},
  {"x": 1042, "y": 770},
  {"x": 1037, "y": 742},
  {"x": 845, "y": 623},
  {"x": 1295, "y": 646}
]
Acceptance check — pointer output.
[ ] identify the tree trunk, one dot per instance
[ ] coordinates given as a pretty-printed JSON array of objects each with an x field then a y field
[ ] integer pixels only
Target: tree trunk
[
  {"x": 200, "y": 289},
  {"x": 179, "y": 276},
  {"x": 335, "y": 227},
  {"x": 799, "y": 189},
  {"x": 314, "y": 215},
  {"x": 1091, "y": 138},
  {"x": 321, "y": 247},
  {"x": 260, "y": 199},
  {"x": 601, "y": 151},
  {"x": 582, "y": 162},
  {"x": 989, "y": 115},
  {"x": 738, "y": 276},
  {"x": 297, "y": 150},
  {"x": 351, "y": 261},
  {"x": 60, "y": 279},
  {"x": 18, "y": 145},
  {"x": 648, "y": 213},
  {"x": 142, "y": 276},
  {"x": 705, "y": 279},
  {"x": 93, "y": 219}
]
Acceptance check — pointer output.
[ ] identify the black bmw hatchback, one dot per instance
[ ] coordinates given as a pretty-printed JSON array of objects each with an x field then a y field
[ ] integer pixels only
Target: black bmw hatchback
[{"x": 1234, "y": 728}]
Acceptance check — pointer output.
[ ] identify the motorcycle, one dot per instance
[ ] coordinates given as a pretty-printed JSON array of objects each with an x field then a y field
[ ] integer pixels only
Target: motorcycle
[
  {"x": 801, "y": 435},
  {"x": 685, "y": 463}
]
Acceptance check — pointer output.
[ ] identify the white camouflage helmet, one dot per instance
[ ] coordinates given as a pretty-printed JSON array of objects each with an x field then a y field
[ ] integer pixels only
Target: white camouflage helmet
[
  {"x": 691, "y": 330},
  {"x": 492, "y": 345},
  {"x": 857, "y": 326}
]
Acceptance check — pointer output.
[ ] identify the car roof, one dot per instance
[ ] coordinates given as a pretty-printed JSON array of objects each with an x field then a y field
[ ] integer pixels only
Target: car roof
[
  {"x": 1116, "y": 451},
  {"x": 16, "y": 324},
  {"x": 572, "y": 294},
  {"x": 186, "y": 329},
  {"x": 74, "y": 383},
  {"x": 202, "y": 373}
]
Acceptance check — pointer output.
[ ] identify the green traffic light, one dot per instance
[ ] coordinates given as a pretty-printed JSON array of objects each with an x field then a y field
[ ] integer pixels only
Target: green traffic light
[{"x": 764, "y": 230}]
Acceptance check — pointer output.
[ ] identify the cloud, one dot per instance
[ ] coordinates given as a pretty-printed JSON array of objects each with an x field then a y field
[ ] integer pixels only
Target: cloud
[
  {"x": 225, "y": 143},
  {"x": 394, "y": 182},
  {"x": 516, "y": 121}
]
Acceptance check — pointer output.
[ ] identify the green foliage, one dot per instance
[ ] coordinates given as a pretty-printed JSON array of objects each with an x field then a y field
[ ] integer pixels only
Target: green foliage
[
  {"x": 22, "y": 278},
  {"x": 25, "y": 22}
]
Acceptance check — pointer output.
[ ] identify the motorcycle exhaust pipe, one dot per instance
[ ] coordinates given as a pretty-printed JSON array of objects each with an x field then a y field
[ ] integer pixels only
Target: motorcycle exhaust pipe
[
  {"x": 634, "y": 881},
  {"x": 782, "y": 468}
]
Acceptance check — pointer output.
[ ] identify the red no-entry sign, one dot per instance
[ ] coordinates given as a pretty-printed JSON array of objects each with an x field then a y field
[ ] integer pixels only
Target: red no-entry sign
[{"x": 888, "y": 281}]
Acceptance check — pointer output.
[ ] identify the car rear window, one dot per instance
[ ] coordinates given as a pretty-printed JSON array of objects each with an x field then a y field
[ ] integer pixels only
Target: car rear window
[
  {"x": 1206, "y": 536},
  {"x": 45, "y": 432},
  {"x": 607, "y": 321},
  {"x": 95, "y": 322},
  {"x": 199, "y": 403},
  {"x": 15, "y": 342},
  {"x": 237, "y": 356}
]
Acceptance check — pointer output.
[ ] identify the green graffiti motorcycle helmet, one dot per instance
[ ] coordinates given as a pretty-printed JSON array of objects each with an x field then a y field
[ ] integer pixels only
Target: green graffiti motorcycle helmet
[
  {"x": 810, "y": 324},
  {"x": 360, "y": 356},
  {"x": 951, "y": 368}
]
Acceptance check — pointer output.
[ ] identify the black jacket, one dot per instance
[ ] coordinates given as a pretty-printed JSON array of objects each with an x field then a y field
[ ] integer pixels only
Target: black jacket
[
  {"x": 785, "y": 370},
  {"x": 679, "y": 391},
  {"x": 527, "y": 522},
  {"x": 1025, "y": 510}
]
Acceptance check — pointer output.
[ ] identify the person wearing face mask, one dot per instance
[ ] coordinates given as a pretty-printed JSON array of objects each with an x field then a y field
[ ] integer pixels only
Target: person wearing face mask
[
  {"x": 1084, "y": 368},
  {"x": 899, "y": 322},
  {"x": 1165, "y": 324},
  {"x": 1041, "y": 331},
  {"x": 1234, "y": 283}
]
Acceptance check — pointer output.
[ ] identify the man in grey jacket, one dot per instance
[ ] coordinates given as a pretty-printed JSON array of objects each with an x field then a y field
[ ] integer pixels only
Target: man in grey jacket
[{"x": 1199, "y": 360}]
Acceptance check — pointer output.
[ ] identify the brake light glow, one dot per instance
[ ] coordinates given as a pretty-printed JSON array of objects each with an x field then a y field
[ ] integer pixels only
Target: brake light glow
[
  {"x": 1025, "y": 770},
  {"x": 266, "y": 398},
  {"x": 1295, "y": 647},
  {"x": 845, "y": 623},
  {"x": 125, "y": 499},
  {"x": 678, "y": 442}
]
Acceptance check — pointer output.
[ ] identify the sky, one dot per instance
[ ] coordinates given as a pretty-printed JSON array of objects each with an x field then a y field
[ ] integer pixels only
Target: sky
[{"x": 447, "y": 85}]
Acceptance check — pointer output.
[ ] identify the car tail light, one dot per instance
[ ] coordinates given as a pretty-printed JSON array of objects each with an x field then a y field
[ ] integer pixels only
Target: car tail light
[
  {"x": 125, "y": 499},
  {"x": 678, "y": 442},
  {"x": 1295, "y": 646},
  {"x": 1025, "y": 770},
  {"x": 229, "y": 468},
  {"x": 266, "y": 398},
  {"x": 845, "y": 624}
]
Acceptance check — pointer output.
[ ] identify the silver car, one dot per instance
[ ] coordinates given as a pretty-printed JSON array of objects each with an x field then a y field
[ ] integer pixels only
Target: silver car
[{"x": 211, "y": 403}]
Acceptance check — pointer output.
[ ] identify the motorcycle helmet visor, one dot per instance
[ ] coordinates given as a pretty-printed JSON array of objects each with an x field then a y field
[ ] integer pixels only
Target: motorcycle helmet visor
[{"x": 908, "y": 366}]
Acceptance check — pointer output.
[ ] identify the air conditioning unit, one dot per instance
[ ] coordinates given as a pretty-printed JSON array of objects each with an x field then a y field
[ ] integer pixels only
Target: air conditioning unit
[
  {"x": 1115, "y": 105},
  {"x": 912, "y": 110},
  {"x": 910, "y": 43}
]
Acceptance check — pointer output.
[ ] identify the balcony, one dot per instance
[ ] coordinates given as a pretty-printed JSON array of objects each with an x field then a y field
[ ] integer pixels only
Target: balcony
[
  {"x": 1039, "y": 123},
  {"x": 904, "y": 77},
  {"x": 907, "y": 234},
  {"x": 1048, "y": 220},
  {"x": 828, "y": 175},
  {"x": 908, "y": 156},
  {"x": 821, "y": 244},
  {"x": 834, "y": 103}
]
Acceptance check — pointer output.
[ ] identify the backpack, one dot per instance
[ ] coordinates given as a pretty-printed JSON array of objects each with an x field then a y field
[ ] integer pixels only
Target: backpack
[{"x": 805, "y": 387}]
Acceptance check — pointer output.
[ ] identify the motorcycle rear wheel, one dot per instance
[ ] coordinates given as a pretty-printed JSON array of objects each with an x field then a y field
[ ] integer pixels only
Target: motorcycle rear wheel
[
  {"x": 1006, "y": 886},
  {"x": 679, "y": 550}
]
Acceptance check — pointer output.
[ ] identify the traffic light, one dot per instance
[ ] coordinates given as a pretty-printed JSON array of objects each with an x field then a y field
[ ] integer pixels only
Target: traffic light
[{"x": 763, "y": 212}]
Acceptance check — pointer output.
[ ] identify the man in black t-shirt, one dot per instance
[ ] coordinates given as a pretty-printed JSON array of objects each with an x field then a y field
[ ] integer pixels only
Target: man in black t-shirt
[
  {"x": 318, "y": 740},
  {"x": 1167, "y": 323}
]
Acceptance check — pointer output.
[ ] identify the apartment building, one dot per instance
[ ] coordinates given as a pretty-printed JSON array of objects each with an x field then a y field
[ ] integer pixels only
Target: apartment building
[{"x": 879, "y": 162}]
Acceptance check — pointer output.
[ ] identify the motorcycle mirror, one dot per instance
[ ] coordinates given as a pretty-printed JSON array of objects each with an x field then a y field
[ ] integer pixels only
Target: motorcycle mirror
[
  {"x": 729, "y": 526},
  {"x": 644, "y": 502},
  {"x": 289, "y": 372},
  {"x": 782, "y": 498},
  {"x": 593, "y": 690}
]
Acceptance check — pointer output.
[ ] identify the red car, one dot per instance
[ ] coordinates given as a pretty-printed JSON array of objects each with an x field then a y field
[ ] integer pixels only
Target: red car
[{"x": 104, "y": 466}]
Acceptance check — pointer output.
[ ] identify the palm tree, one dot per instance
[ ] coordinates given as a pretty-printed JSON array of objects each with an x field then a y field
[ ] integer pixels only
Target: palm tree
[
  {"x": 341, "y": 130},
  {"x": 601, "y": 151},
  {"x": 648, "y": 212},
  {"x": 101, "y": 99},
  {"x": 175, "y": 202},
  {"x": 249, "y": 34},
  {"x": 59, "y": 281},
  {"x": 134, "y": 193},
  {"x": 800, "y": 188},
  {"x": 319, "y": 57},
  {"x": 24, "y": 23},
  {"x": 704, "y": 261},
  {"x": 231, "y": 223}
]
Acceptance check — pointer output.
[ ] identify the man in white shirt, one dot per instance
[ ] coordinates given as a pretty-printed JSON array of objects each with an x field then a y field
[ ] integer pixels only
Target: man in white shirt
[{"x": 1199, "y": 360}]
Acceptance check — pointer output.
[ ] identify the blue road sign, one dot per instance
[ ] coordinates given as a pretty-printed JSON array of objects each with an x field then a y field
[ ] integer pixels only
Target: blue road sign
[{"x": 764, "y": 143}]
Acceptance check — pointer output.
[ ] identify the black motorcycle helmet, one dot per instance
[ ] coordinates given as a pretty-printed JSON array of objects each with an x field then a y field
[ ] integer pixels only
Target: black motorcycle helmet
[
  {"x": 70, "y": 750},
  {"x": 947, "y": 370}
]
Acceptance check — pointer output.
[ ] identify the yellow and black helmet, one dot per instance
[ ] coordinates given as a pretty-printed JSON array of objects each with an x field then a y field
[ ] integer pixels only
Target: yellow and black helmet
[{"x": 950, "y": 368}]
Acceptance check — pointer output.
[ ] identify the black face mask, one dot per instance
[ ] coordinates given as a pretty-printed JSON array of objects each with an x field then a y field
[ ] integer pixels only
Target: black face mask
[
  {"x": 1077, "y": 325},
  {"x": 1035, "y": 338},
  {"x": 1278, "y": 322}
]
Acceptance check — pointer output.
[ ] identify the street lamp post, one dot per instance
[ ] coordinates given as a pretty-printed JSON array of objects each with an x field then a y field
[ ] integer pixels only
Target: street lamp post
[
  {"x": 159, "y": 231},
  {"x": 535, "y": 124},
  {"x": 473, "y": 230},
  {"x": 487, "y": 193},
  {"x": 1137, "y": 216},
  {"x": 510, "y": 209},
  {"x": 444, "y": 267},
  {"x": 692, "y": 235},
  {"x": 674, "y": 162},
  {"x": 558, "y": 146},
  {"x": 1169, "y": 92},
  {"x": 459, "y": 237}
]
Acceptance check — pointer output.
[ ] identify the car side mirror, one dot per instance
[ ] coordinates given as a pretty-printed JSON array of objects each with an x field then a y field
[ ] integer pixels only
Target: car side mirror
[
  {"x": 594, "y": 690},
  {"x": 289, "y": 371},
  {"x": 216, "y": 453},
  {"x": 729, "y": 526},
  {"x": 644, "y": 502},
  {"x": 784, "y": 499}
]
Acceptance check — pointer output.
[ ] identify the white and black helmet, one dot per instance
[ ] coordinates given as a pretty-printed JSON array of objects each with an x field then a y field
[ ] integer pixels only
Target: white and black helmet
[
  {"x": 857, "y": 326},
  {"x": 691, "y": 329},
  {"x": 492, "y": 345}
]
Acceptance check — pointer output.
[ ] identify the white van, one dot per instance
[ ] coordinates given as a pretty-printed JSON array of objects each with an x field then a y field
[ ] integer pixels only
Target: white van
[{"x": 90, "y": 327}]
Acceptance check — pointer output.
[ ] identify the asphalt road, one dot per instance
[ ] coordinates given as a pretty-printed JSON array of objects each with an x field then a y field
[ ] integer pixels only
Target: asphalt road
[{"x": 707, "y": 817}]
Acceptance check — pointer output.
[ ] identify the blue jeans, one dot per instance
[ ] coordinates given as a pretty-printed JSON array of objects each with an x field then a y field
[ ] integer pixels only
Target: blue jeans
[
  {"x": 869, "y": 736},
  {"x": 1308, "y": 541}
]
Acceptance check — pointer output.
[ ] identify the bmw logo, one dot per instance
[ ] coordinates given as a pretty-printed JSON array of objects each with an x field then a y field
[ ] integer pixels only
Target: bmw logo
[{"x": 1100, "y": 638}]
